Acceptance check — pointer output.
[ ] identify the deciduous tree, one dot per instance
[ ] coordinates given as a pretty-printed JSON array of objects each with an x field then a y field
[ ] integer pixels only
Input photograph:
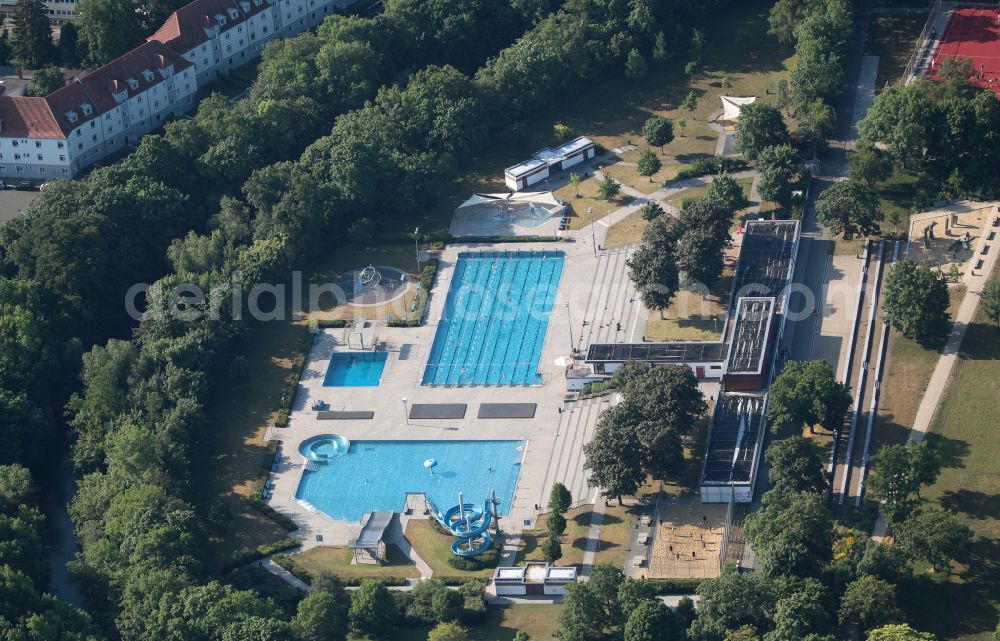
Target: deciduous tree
[
  {"x": 796, "y": 465},
  {"x": 652, "y": 621},
  {"x": 807, "y": 392},
  {"x": 760, "y": 125},
  {"x": 849, "y": 208},
  {"x": 775, "y": 170},
  {"x": 609, "y": 188},
  {"x": 916, "y": 301},
  {"x": 869, "y": 602},
  {"x": 658, "y": 132},
  {"x": 897, "y": 473},
  {"x": 935, "y": 536},
  {"x": 792, "y": 533},
  {"x": 45, "y": 81},
  {"x": 899, "y": 632},
  {"x": 990, "y": 300},
  {"x": 653, "y": 266},
  {"x": 648, "y": 164},
  {"x": 725, "y": 190}
]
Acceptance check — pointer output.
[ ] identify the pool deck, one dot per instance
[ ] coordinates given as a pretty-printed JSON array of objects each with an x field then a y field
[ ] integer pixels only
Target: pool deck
[{"x": 600, "y": 297}]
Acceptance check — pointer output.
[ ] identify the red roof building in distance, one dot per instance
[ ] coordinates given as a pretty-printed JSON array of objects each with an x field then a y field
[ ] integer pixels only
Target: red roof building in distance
[{"x": 112, "y": 107}]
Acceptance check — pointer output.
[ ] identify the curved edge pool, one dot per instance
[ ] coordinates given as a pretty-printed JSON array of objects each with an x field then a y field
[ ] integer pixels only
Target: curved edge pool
[{"x": 324, "y": 447}]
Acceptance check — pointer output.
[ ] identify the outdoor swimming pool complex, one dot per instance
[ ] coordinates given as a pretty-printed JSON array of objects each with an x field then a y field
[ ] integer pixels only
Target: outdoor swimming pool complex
[
  {"x": 355, "y": 369},
  {"x": 377, "y": 475},
  {"x": 494, "y": 320}
]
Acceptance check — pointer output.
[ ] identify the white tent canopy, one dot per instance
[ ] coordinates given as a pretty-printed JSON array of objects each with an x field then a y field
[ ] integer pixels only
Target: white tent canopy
[
  {"x": 731, "y": 106},
  {"x": 537, "y": 198}
]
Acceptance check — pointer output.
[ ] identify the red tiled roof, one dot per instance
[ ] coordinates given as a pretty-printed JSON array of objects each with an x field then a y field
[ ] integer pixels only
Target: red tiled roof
[
  {"x": 185, "y": 28},
  {"x": 46, "y": 117},
  {"x": 27, "y": 117}
]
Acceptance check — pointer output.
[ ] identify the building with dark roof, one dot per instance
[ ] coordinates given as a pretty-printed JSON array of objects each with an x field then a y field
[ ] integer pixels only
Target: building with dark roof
[{"x": 732, "y": 453}]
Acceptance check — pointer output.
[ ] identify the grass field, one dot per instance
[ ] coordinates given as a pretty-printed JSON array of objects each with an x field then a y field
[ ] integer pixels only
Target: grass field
[
  {"x": 435, "y": 548},
  {"x": 585, "y": 197},
  {"x": 907, "y": 373},
  {"x": 228, "y": 460},
  {"x": 502, "y": 623},
  {"x": 967, "y": 606},
  {"x": 690, "y": 316},
  {"x": 611, "y": 111},
  {"x": 338, "y": 561},
  {"x": 610, "y": 548},
  {"x": 891, "y": 37}
]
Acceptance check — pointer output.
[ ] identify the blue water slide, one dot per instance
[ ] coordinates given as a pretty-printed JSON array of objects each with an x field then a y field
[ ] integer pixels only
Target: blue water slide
[{"x": 485, "y": 541}]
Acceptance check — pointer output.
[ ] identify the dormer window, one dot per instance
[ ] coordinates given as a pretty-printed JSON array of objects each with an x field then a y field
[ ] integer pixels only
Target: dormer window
[
  {"x": 221, "y": 19},
  {"x": 257, "y": 2},
  {"x": 121, "y": 96},
  {"x": 133, "y": 83},
  {"x": 72, "y": 116},
  {"x": 86, "y": 108},
  {"x": 246, "y": 6},
  {"x": 233, "y": 13},
  {"x": 148, "y": 75}
]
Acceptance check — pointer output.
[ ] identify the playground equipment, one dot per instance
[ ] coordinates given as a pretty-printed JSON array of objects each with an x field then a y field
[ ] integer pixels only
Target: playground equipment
[{"x": 469, "y": 525}]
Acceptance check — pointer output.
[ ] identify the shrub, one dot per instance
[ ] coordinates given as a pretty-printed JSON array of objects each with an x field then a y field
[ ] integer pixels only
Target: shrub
[
  {"x": 488, "y": 559},
  {"x": 713, "y": 165},
  {"x": 332, "y": 323}
]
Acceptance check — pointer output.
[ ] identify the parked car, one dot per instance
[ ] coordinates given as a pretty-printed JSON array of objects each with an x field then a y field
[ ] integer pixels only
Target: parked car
[{"x": 25, "y": 185}]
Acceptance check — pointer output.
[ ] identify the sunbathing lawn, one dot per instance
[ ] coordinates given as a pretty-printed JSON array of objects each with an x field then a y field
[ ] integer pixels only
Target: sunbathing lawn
[
  {"x": 435, "y": 548},
  {"x": 626, "y": 231},
  {"x": 586, "y": 196},
  {"x": 675, "y": 200},
  {"x": 691, "y": 317},
  {"x": 908, "y": 370},
  {"x": 967, "y": 606},
  {"x": 338, "y": 561},
  {"x": 502, "y": 623},
  {"x": 628, "y": 174},
  {"x": 573, "y": 540},
  {"x": 614, "y": 536},
  {"x": 611, "y": 111},
  {"x": 228, "y": 460}
]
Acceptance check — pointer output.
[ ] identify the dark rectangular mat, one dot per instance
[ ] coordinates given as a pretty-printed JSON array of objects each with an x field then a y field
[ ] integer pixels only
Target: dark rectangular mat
[
  {"x": 327, "y": 415},
  {"x": 507, "y": 410},
  {"x": 438, "y": 410}
]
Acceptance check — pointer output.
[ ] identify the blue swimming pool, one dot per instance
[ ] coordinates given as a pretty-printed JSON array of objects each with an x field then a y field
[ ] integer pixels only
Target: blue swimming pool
[
  {"x": 376, "y": 475},
  {"x": 355, "y": 369},
  {"x": 494, "y": 320}
]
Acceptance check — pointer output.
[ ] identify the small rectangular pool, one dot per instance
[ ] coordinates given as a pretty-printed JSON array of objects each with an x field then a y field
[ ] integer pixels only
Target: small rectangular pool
[
  {"x": 494, "y": 320},
  {"x": 355, "y": 369},
  {"x": 377, "y": 475}
]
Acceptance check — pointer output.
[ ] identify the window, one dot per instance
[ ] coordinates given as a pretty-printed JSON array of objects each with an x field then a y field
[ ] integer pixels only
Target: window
[
  {"x": 79, "y": 146},
  {"x": 38, "y": 144},
  {"x": 17, "y": 156},
  {"x": 62, "y": 158},
  {"x": 14, "y": 143},
  {"x": 61, "y": 144},
  {"x": 95, "y": 137},
  {"x": 40, "y": 158}
]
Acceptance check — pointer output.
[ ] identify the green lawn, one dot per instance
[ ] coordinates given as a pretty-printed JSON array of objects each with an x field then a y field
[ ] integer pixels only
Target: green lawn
[
  {"x": 539, "y": 621},
  {"x": 435, "y": 548},
  {"x": 228, "y": 460},
  {"x": 967, "y": 605},
  {"x": 908, "y": 370},
  {"x": 892, "y": 37},
  {"x": 338, "y": 561}
]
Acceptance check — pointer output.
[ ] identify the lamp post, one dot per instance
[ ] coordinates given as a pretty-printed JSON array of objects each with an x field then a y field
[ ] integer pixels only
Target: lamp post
[
  {"x": 593, "y": 235},
  {"x": 569, "y": 323},
  {"x": 416, "y": 247},
  {"x": 406, "y": 415}
]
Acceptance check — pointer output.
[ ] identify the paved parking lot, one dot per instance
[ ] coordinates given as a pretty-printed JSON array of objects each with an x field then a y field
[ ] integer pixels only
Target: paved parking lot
[{"x": 13, "y": 202}]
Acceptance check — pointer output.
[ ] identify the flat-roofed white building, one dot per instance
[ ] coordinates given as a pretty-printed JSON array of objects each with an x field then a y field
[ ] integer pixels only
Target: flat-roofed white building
[
  {"x": 533, "y": 579},
  {"x": 548, "y": 161}
]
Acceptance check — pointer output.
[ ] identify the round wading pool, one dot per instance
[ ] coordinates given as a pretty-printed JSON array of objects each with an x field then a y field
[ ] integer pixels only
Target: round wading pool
[{"x": 324, "y": 447}]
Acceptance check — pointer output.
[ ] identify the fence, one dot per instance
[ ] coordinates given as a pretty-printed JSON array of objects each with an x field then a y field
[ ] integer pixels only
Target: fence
[{"x": 922, "y": 42}]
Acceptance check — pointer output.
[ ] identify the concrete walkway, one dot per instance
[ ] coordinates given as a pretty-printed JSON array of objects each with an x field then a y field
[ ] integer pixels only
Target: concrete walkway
[
  {"x": 975, "y": 281},
  {"x": 593, "y": 536},
  {"x": 283, "y": 574}
]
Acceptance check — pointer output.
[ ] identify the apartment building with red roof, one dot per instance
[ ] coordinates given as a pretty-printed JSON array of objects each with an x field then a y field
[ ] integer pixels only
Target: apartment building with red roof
[{"x": 111, "y": 108}]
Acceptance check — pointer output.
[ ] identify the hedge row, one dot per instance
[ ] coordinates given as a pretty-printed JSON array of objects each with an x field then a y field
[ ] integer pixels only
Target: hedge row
[
  {"x": 248, "y": 555},
  {"x": 713, "y": 165},
  {"x": 292, "y": 381},
  {"x": 427, "y": 277}
]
